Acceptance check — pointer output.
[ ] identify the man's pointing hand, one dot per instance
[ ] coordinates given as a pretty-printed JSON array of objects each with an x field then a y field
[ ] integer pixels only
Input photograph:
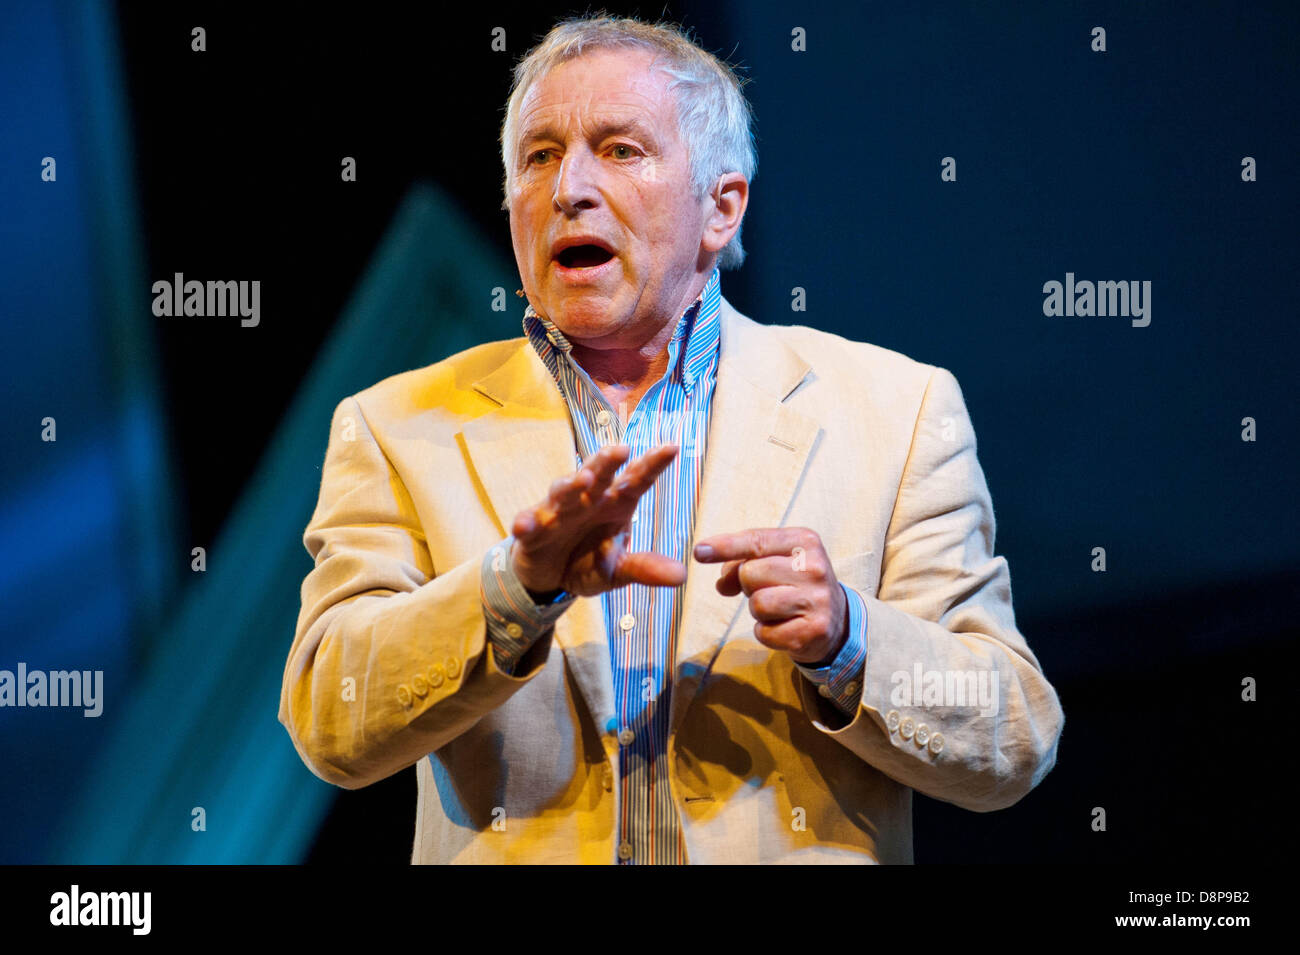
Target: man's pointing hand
[{"x": 793, "y": 595}]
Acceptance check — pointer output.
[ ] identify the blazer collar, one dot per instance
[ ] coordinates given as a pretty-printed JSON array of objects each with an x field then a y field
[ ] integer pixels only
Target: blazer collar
[{"x": 520, "y": 446}]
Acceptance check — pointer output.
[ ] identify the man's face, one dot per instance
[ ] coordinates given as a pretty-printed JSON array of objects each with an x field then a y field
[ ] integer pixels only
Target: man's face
[{"x": 605, "y": 227}]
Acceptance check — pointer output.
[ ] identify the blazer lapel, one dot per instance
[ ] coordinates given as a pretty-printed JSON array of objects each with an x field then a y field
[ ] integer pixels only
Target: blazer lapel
[
  {"x": 757, "y": 450},
  {"x": 516, "y": 450}
]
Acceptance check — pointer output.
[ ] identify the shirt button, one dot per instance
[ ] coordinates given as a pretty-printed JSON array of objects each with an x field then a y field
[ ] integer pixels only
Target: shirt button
[
  {"x": 891, "y": 720},
  {"x": 852, "y": 688},
  {"x": 626, "y": 737},
  {"x": 625, "y": 850},
  {"x": 627, "y": 622},
  {"x": 936, "y": 743},
  {"x": 603, "y": 417},
  {"x": 922, "y": 735},
  {"x": 906, "y": 728},
  {"x": 824, "y": 690},
  {"x": 514, "y": 630}
]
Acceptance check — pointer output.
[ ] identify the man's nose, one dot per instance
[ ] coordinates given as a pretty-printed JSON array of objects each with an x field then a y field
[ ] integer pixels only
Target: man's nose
[{"x": 575, "y": 187}]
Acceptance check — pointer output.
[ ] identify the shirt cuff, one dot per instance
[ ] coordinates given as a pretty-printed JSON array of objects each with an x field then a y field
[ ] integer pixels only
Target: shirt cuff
[
  {"x": 840, "y": 681},
  {"x": 514, "y": 620}
]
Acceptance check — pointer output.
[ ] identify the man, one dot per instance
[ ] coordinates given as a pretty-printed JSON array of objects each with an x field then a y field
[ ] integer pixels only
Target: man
[{"x": 653, "y": 583}]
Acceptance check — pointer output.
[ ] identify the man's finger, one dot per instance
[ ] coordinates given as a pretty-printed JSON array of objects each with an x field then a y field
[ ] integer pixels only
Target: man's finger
[
  {"x": 640, "y": 475},
  {"x": 746, "y": 545},
  {"x": 729, "y": 582},
  {"x": 525, "y": 525},
  {"x": 605, "y": 464},
  {"x": 755, "y": 573},
  {"x": 608, "y": 459},
  {"x": 653, "y": 570},
  {"x": 779, "y": 603},
  {"x": 566, "y": 493},
  {"x": 793, "y": 636},
  {"x": 645, "y": 469}
]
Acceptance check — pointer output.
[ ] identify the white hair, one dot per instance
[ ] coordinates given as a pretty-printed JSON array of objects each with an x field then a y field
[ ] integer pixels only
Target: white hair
[{"x": 714, "y": 118}]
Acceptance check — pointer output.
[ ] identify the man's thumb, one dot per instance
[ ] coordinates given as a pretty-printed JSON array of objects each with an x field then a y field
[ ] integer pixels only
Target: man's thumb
[{"x": 651, "y": 569}]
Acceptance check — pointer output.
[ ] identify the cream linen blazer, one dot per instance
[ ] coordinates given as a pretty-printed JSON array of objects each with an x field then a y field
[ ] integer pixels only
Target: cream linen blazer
[{"x": 425, "y": 472}]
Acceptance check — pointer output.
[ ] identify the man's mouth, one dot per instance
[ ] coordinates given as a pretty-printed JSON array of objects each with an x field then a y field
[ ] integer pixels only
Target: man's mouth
[{"x": 583, "y": 256}]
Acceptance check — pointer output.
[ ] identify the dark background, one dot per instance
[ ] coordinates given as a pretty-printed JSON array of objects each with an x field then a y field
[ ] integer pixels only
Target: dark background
[{"x": 1116, "y": 165}]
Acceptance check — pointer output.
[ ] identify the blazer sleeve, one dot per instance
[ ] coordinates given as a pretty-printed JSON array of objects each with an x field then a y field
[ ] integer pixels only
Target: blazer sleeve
[
  {"x": 943, "y": 612},
  {"x": 390, "y": 658}
]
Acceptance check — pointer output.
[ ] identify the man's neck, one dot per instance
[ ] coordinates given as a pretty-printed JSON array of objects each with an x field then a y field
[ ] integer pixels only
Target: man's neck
[{"x": 624, "y": 375}]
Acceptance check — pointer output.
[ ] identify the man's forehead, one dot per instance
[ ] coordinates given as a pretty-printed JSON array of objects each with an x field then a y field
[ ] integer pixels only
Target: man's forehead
[
  {"x": 590, "y": 112},
  {"x": 620, "y": 84}
]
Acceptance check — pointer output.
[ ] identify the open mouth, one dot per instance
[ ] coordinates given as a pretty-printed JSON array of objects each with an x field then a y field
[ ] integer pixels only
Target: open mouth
[{"x": 583, "y": 256}]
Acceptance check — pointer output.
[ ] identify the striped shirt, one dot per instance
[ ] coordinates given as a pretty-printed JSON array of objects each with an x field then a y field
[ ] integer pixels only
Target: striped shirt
[{"x": 642, "y": 622}]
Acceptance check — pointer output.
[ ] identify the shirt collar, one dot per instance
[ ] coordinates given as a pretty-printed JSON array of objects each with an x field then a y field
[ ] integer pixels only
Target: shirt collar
[{"x": 695, "y": 336}]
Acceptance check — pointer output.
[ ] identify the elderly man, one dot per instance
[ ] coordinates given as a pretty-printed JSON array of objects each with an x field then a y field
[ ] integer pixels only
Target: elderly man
[{"x": 655, "y": 583}]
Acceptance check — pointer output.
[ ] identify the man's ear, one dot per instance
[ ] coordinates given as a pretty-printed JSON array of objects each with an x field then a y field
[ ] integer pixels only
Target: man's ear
[{"x": 726, "y": 207}]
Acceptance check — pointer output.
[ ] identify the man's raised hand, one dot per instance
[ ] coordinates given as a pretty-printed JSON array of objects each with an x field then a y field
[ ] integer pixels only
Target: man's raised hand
[{"x": 576, "y": 539}]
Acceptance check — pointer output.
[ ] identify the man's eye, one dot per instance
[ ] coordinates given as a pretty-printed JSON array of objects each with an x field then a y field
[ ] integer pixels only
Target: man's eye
[
  {"x": 540, "y": 157},
  {"x": 622, "y": 151}
]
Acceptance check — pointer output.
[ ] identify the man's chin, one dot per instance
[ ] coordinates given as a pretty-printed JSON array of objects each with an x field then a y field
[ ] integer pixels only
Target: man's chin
[{"x": 586, "y": 313}]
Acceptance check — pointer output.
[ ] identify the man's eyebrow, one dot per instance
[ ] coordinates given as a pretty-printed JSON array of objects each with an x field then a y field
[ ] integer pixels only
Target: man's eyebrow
[
  {"x": 631, "y": 126},
  {"x": 627, "y": 127},
  {"x": 531, "y": 133}
]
